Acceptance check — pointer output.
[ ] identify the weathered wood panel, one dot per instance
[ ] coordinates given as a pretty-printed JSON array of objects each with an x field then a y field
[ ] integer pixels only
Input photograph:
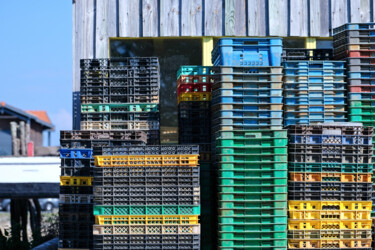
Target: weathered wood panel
[
  {"x": 256, "y": 18},
  {"x": 319, "y": 18},
  {"x": 278, "y": 17},
  {"x": 75, "y": 47},
  {"x": 213, "y": 12},
  {"x": 298, "y": 18},
  {"x": 106, "y": 26},
  {"x": 235, "y": 18},
  {"x": 359, "y": 11},
  {"x": 88, "y": 19},
  {"x": 150, "y": 18},
  {"x": 339, "y": 12},
  {"x": 192, "y": 18},
  {"x": 169, "y": 18},
  {"x": 129, "y": 18}
]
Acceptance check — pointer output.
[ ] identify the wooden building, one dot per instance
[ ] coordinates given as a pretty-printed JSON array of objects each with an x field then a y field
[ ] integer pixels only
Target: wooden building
[{"x": 183, "y": 32}]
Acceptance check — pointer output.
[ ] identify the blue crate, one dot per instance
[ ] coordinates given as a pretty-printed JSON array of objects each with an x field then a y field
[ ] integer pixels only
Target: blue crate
[
  {"x": 192, "y": 70},
  {"x": 314, "y": 101},
  {"x": 248, "y": 114},
  {"x": 313, "y": 79},
  {"x": 362, "y": 96},
  {"x": 316, "y": 109},
  {"x": 247, "y": 100},
  {"x": 354, "y": 26},
  {"x": 314, "y": 86},
  {"x": 306, "y": 121},
  {"x": 330, "y": 139},
  {"x": 244, "y": 92},
  {"x": 247, "y": 52},
  {"x": 247, "y": 107},
  {"x": 313, "y": 94},
  {"x": 315, "y": 72},
  {"x": 76, "y": 153},
  {"x": 315, "y": 115},
  {"x": 362, "y": 75},
  {"x": 322, "y": 65},
  {"x": 248, "y": 123}
]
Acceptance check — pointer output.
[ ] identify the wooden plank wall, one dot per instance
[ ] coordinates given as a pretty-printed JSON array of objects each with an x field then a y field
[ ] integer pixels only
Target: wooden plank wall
[{"x": 94, "y": 21}]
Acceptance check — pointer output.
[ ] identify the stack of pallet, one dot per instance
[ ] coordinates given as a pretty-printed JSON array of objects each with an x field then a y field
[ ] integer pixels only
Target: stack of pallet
[
  {"x": 194, "y": 119},
  {"x": 355, "y": 43},
  {"x": 329, "y": 188},
  {"x": 314, "y": 91},
  {"x": 250, "y": 145},
  {"x": 147, "y": 197},
  {"x": 119, "y": 108}
]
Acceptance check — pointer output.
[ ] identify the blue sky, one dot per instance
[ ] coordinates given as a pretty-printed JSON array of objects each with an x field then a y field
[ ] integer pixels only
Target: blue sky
[{"x": 36, "y": 58}]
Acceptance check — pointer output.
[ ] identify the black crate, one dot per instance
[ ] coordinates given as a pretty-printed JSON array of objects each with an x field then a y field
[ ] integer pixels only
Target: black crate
[
  {"x": 101, "y": 135},
  {"x": 295, "y": 54},
  {"x": 152, "y": 89},
  {"x": 120, "y": 99},
  {"x": 152, "y": 150},
  {"x": 75, "y": 189},
  {"x": 329, "y": 186},
  {"x": 75, "y": 235},
  {"x": 150, "y": 172},
  {"x": 76, "y": 208},
  {"x": 131, "y": 116},
  {"x": 330, "y": 129},
  {"x": 154, "y": 241},
  {"x": 329, "y": 158},
  {"x": 146, "y": 181},
  {"x": 330, "y": 196},
  {"x": 342, "y": 149},
  {"x": 121, "y": 82},
  {"x": 76, "y": 198},
  {"x": 76, "y": 171},
  {"x": 146, "y": 191},
  {"x": 114, "y": 62},
  {"x": 72, "y": 217}
]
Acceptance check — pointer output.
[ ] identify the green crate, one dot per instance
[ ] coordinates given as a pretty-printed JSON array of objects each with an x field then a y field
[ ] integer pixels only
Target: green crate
[
  {"x": 254, "y": 190},
  {"x": 251, "y": 150},
  {"x": 330, "y": 167},
  {"x": 253, "y": 175},
  {"x": 255, "y": 221},
  {"x": 254, "y": 205},
  {"x": 147, "y": 210},
  {"x": 251, "y": 143},
  {"x": 253, "y": 181},
  {"x": 361, "y": 103},
  {"x": 259, "y": 166},
  {"x": 116, "y": 108},
  {"x": 363, "y": 118},
  {"x": 253, "y": 212},
  {"x": 362, "y": 110},
  {"x": 251, "y": 158},
  {"x": 257, "y": 134},
  {"x": 230, "y": 241},
  {"x": 251, "y": 197}
]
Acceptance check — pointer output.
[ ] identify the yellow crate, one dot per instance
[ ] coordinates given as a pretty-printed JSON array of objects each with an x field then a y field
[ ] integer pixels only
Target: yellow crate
[
  {"x": 328, "y": 224},
  {"x": 329, "y": 215},
  {"x": 330, "y": 205},
  {"x": 329, "y": 234},
  {"x": 329, "y": 177},
  {"x": 194, "y": 97},
  {"x": 75, "y": 181},
  {"x": 146, "y": 220},
  {"x": 146, "y": 160},
  {"x": 146, "y": 229},
  {"x": 293, "y": 244}
]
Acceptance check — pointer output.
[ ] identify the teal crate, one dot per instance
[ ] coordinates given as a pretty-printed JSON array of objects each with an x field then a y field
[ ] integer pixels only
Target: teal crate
[
  {"x": 250, "y": 150},
  {"x": 256, "y": 222},
  {"x": 250, "y": 142},
  {"x": 330, "y": 167},
  {"x": 230, "y": 241},
  {"x": 254, "y": 205},
  {"x": 252, "y": 197},
  {"x": 253, "y": 181},
  {"x": 254, "y": 190},
  {"x": 261, "y": 134},
  {"x": 251, "y": 158},
  {"x": 118, "y": 108},
  {"x": 147, "y": 210},
  {"x": 258, "y": 166},
  {"x": 192, "y": 70},
  {"x": 253, "y": 212},
  {"x": 253, "y": 175}
]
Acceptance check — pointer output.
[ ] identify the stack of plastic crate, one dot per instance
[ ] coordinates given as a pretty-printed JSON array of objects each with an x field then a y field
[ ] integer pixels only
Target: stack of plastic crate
[
  {"x": 355, "y": 43},
  {"x": 329, "y": 188},
  {"x": 314, "y": 91},
  {"x": 147, "y": 197},
  {"x": 121, "y": 94},
  {"x": 194, "y": 119},
  {"x": 250, "y": 145}
]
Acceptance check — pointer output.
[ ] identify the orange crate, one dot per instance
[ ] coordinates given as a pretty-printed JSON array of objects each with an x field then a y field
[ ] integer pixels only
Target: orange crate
[{"x": 329, "y": 177}]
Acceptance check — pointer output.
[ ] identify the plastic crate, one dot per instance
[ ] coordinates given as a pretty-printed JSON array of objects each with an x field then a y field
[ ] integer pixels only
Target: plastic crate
[
  {"x": 146, "y": 219},
  {"x": 129, "y": 125},
  {"x": 313, "y": 79},
  {"x": 115, "y": 108},
  {"x": 138, "y": 80},
  {"x": 118, "y": 62},
  {"x": 72, "y": 171},
  {"x": 328, "y": 225},
  {"x": 329, "y": 195},
  {"x": 330, "y": 139},
  {"x": 113, "y": 117},
  {"x": 154, "y": 241},
  {"x": 324, "y": 100},
  {"x": 195, "y": 79},
  {"x": 101, "y": 135},
  {"x": 314, "y": 65},
  {"x": 77, "y": 208},
  {"x": 76, "y": 190},
  {"x": 354, "y": 26},
  {"x": 145, "y": 229},
  {"x": 233, "y": 240},
  {"x": 194, "y": 96},
  {"x": 330, "y": 177},
  {"x": 193, "y": 70},
  {"x": 247, "y": 99},
  {"x": 152, "y": 150},
  {"x": 76, "y": 198},
  {"x": 307, "y": 54},
  {"x": 329, "y": 215},
  {"x": 329, "y": 167},
  {"x": 330, "y": 205},
  {"x": 76, "y": 153},
  {"x": 193, "y": 88},
  {"x": 147, "y": 210},
  {"x": 330, "y": 157},
  {"x": 75, "y": 181},
  {"x": 119, "y": 99},
  {"x": 247, "y": 52},
  {"x": 329, "y": 234},
  {"x": 236, "y": 151},
  {"x": 348, "y": 244},
  {"x": 326, "y": 129},
  {"x": 307, "y": 86}
]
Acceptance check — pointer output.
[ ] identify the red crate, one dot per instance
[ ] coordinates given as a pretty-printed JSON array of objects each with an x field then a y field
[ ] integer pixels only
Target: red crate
[
  {"x": 188, "y": 88},
  {"x": 361, "y": 53},
  {"x": 362, "y": 89}
]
